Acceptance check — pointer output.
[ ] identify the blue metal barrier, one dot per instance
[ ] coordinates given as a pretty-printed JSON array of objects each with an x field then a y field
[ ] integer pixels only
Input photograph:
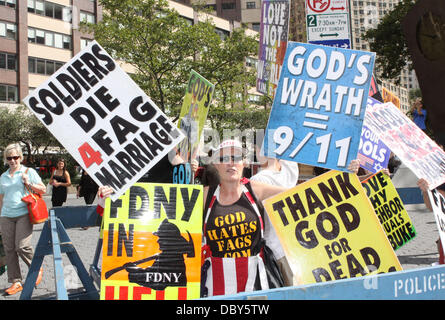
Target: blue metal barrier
[
  {"x": 418, "y": 284},
  {"x": 54, "y": 241}
]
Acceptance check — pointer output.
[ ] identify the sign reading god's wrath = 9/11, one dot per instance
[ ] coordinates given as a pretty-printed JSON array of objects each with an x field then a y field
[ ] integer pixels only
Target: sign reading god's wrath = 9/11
[
  {"x": 318, "y": 110},
  {"x": 104, "y": 120}
]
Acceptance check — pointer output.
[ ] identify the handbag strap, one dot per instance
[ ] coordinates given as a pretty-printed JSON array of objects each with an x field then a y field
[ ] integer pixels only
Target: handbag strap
[{"x": 26, "y": 186}]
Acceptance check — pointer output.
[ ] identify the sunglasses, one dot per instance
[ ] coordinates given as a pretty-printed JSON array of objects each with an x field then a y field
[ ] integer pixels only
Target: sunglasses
[
  {"x": 11, "y": 158},
  {"x": 227, "y": 159}
]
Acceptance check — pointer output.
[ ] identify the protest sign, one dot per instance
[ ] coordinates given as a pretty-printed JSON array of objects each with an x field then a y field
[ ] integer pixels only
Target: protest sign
[
  {"x": 372, "y": 152},
  {"x": 103, "y": 119},
  {"x": 389, "y": 209},
  {"x": 408, "y": 142},
  {"x": 274, "y": 30},
  {"x": 152, "y": 243},
  {"x": 195, "y": 107},
  {"x": 329, "y": 230},
  {"x": 388, "y": 96},
  {"x": 318, "y": 110},
  {"x": 437, "y": 201}
]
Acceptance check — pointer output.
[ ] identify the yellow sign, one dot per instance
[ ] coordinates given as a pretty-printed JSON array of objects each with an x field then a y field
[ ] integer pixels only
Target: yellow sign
[
  {"x": 388, "y": 96},
  {"x": 152, "y": 243},
  {"x": 329, "y": 231},
  {"x": 389, "y": 209},
  {"x": 193, "y": 114}
]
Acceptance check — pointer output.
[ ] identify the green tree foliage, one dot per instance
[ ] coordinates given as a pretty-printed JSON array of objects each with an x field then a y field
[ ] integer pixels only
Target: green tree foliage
[
  {"x": 388, "y": 42},
  {"x": 164, "y": 47},
  {"x": 19, "y": 125}
]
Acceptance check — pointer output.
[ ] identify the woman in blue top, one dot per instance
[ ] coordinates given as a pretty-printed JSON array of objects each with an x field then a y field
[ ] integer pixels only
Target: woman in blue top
[{"x": 15, "y": 226}]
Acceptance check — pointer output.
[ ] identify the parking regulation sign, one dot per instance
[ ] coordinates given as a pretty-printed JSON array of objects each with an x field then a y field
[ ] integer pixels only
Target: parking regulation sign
[{"x": 327, "y": 22}]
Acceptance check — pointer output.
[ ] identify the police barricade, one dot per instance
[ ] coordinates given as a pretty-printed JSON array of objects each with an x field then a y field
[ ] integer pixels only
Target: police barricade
[{"x": 418, "y": 284}]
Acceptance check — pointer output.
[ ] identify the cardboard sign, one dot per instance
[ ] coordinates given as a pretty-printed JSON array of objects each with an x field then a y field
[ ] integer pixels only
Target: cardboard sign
[
  {"x": 103, "y": 119},
  {"x": 437, "y": 201},
  {"x": 318, "y": 110},
  {"x": 329, "y": 230},
  {"x": 195, "y": 107},
  {"x": 372, "y": 152},
  {"x": 152, "y": 243},
  {"x": 408, "y": 142},
  {"x": 389, "y": 209},
  {"x": 388, "y": 96},
  {"x": 274, "y": 30}
]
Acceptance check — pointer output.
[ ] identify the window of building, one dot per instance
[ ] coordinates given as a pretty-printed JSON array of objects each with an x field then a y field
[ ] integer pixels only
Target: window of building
[
  {"x": 49, "y": 9},
  {"x": 8, "y": 30},
  {"x": 8, "y": 93},
  {"x": 8, "y": 61},
  {"x": 222, "y": 33},
  {"x": 42, "y": 66},
  {"x": 84, "y": 43},
  {"x": 256, "y": 26},
  {"x": 250, "y": 5},
  {"x": 49, "y": 38},
  {"x": 228, "y": 5},
  {"x": 87, "y": 17},
  {"x": 8, "y": 3}
]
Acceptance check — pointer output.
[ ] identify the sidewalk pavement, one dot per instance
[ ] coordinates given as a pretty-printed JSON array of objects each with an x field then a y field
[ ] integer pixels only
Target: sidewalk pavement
[{"x": 420, "y": 252}]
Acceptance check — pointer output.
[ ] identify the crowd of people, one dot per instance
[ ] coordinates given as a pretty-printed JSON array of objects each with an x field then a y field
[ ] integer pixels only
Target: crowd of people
[{"x": 226, "y": 191}]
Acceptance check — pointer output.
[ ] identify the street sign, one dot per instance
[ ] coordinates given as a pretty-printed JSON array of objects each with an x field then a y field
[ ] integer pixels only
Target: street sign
[{"x": 327, "y": 23}]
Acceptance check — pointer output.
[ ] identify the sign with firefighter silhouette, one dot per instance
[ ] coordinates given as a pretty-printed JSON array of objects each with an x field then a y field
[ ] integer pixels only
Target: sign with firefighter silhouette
[
  {"x": 329, "y": 230},
  {"x": 151, "y": 243}
]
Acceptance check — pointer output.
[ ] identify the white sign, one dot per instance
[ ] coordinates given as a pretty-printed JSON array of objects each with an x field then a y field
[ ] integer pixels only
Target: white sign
[
  {"x": 103, "y": 119},
  {"x": 438, "y": 204},
  {"x": 327, "y": 26},
  {"x": 326, "y": 6}
]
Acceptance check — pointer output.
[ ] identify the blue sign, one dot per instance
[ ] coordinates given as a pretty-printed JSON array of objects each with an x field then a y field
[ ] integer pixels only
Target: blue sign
[
  {"x": 337, "y": 43},
  {"x": 372, "y": 152},
  {"x": 319, "y": 106}
]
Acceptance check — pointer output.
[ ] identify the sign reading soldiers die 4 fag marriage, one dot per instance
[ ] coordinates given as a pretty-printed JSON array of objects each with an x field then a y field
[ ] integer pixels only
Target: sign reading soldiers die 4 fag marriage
[
  {"x": 104, "y": 120},
  {"x": 274, "y": 30},
  {"x": 329, "y": 230},
  {"x": 389, "y": 209},
  {"x": 408, "y": 142},
  {"x": 152, "y": 243},
  {"x": 318, "y": 110}
]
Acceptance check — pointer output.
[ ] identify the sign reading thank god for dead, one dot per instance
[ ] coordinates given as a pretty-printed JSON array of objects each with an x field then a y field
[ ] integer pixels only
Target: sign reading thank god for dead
[{"x": 329, "y": 231}]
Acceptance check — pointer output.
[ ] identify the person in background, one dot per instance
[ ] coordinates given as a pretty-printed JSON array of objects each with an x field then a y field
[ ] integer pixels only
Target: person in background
[
  {"x": 279, "y": 173},
  {"x": 60, "y": 180},
  {"x": 87, "y": 188},
  {"x": 419, "y": 114},
  {"x": 16, "y": 228}
]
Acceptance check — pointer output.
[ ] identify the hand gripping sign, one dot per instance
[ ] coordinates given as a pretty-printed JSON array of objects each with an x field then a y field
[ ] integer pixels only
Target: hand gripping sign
[
  {"x": 389, "y": 209},
  {"x": 104, "y": 120},
  {"x": 408, "y": 142},
  {"x": 151, "y": 243},
  {"x": 319, "y": 106},
  {"x": 329, "y": 230}
]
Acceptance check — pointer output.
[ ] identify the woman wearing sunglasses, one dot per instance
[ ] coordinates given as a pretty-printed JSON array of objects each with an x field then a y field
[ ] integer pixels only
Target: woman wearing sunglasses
[{"x": 15, "y": 226}]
